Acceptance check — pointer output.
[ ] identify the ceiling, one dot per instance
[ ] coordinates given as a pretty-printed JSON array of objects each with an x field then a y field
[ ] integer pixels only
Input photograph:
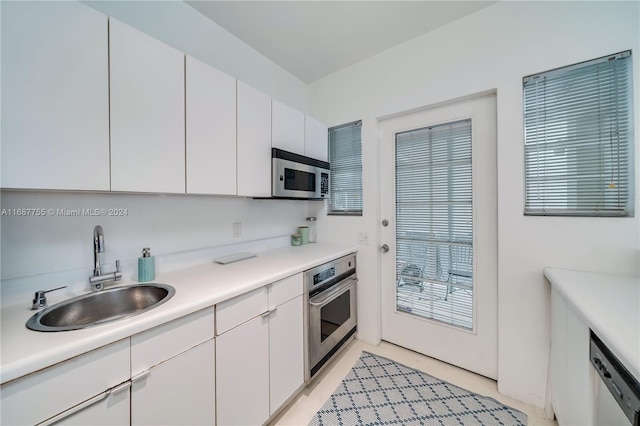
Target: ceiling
[{"x": 312, "y": 39}]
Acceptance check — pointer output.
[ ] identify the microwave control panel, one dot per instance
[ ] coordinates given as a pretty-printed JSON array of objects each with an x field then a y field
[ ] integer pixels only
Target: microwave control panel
[{"x": 324, "y": 184}]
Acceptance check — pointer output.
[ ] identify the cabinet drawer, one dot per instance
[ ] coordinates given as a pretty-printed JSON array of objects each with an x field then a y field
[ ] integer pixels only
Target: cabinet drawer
[
  {"x": 285, "y": 290},
  {"x": 41, "y": 395},
  {"x": 154, "y": 346},
  {"x": 233, "y": 312}
]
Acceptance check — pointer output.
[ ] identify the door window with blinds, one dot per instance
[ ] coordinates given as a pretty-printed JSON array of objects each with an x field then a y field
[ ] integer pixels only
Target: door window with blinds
[
  {"x": 345, "y": 157},
  {"x": 434, "y": 223},
  {"x": 579, "y": 139}
]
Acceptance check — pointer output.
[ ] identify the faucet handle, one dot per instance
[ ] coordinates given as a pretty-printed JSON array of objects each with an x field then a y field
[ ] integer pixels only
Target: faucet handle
[
  {"x": 117, "y": 266},
  {"x": 40, "y": 300}
]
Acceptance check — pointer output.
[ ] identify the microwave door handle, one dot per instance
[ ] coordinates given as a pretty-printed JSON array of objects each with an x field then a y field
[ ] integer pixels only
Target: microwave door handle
[{"x": 335, "y": 293}]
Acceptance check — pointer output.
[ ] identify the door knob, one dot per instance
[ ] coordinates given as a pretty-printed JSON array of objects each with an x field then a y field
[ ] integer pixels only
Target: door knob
[{"x": 384, "y": 248}]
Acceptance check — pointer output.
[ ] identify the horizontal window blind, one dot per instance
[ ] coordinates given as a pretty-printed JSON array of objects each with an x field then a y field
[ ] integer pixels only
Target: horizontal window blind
[
  {"x": 578, "y": 139},
  {"x": 345, "y": 157},
  {"x": 434, "y": 214}
]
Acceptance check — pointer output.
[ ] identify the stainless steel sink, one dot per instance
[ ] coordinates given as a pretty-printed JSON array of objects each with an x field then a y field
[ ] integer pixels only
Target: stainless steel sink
[{"x": 101, "y": 307}]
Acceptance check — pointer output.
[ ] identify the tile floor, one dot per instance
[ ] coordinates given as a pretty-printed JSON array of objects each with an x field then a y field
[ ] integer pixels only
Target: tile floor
[{"x": 313, "y": 397}]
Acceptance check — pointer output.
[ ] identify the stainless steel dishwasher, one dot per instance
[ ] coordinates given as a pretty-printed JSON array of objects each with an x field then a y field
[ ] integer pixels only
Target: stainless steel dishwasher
[{"x": 617, "y": 392}]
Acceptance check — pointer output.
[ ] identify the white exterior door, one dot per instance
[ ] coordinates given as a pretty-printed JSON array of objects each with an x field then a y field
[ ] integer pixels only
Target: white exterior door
[{"x": 439, "y": 198}]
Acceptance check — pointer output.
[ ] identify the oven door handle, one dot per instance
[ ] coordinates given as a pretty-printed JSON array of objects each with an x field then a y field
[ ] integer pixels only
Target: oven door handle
[{"x": 335, "y": 292}]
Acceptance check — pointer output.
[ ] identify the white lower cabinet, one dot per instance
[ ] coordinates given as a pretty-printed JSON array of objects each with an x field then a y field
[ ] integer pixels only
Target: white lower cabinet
[
  {"x": 68, "y": 389},
  {"x": 178, "y": 373},
  {"x": 570, "y": 368},
  {"x": 286, "y": 357},
  {"x": 242, "y": 374},
  {"x": 259, "y": 352},
  {"x": 107, "y": 409},
  {"x": 179, "y": 391},
  {"x": 173, "y": 374},
  {"x": 162, "y": 376},
  {"x": 558, "y": 357}
]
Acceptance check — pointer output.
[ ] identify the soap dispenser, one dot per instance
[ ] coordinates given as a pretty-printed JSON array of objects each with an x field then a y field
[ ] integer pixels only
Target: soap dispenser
[{"x": 146, "y": 266}]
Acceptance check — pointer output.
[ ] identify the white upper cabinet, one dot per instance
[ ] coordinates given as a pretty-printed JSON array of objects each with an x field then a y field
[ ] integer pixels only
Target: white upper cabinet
[
  {"x": 147, "y": 113},
  {"x": 55, "y": 87},
  {"x": 211, "y": 129},
  {"x": 288, "y": 128},
  {"x": 316, "y": 143},
  {"x": 254, "y": 142}
]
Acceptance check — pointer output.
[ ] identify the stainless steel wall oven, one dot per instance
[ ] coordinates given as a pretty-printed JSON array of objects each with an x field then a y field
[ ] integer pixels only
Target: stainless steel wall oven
[{"x": 330, "y": 310}]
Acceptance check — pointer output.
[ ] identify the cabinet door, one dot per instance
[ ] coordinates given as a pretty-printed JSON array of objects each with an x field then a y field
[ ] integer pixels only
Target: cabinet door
[
  {"x": 180, "y": 391},
  {"x": 242, "y": 374},
  {"x": 43, "y": 394},
  {"x": 579, "y": 400},
  {"x": 316, "y": 144},
  {"x": 288, "y": 128},
  {"x": 147, "y": 113},
  {"x": 254, "y": 142},
  {"x": 111, "y": 408},
  {"x": 286, "y": 356},
  {"x": 558, "y": 356},
  {"x": 55, "y": 88},
  {"x": 211, "y": 129}
]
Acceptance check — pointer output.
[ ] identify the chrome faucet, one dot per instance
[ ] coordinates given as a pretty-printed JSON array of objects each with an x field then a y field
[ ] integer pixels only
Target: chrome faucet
[
  {"x": 98, "y": 278},
  {"x": 98, "y": 247}
]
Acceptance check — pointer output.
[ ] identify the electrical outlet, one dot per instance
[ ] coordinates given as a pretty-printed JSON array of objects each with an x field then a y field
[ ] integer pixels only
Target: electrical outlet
[
  {"x": 363, "y": 238},
  {"x": 237, "y": 229}
]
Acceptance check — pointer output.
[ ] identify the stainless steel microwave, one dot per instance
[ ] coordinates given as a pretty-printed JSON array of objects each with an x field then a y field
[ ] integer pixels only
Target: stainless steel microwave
[{"x": 298, "y": 177}]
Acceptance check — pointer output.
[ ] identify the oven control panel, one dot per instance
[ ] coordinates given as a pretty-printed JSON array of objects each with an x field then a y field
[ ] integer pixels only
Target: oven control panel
[{"x": 325, "y": 274}]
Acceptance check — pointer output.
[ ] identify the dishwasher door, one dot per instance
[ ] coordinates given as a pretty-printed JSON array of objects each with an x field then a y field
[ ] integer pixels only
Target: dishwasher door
[
  {"x": 616, "y": 390},
  {"x": 607, "y": 410}
]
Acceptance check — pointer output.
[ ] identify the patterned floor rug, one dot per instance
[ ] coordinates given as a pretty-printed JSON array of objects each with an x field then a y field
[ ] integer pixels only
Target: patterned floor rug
[{"x": 378, "y": 391}]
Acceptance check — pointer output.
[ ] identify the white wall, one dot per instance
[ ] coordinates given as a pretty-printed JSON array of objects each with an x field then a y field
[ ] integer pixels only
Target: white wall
[
  {"x": 41, "y": 253},
  {"x": 492, "y": 50},
  {"x": 45, "y": 252}
]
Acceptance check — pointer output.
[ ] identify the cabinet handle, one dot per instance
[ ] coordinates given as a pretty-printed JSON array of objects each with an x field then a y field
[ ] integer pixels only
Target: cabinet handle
[
  {"x": 140, "y": 376},
  {"x": 73, "y": 410},
  {"x": 89, "y": 402},
  {"x": 117, "y": 389},
  {"x": 269, "y": 312}
]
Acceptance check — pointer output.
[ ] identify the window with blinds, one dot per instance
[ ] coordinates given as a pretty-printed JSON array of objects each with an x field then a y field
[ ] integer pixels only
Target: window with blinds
[
  {"x": 434, "y": 218},
  {"x": 345, "y": 157},
  {"x": 579, "y": 140}
]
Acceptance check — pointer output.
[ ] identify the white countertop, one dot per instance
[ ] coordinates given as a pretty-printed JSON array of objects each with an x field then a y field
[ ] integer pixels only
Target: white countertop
[
  {"x": 610, "y": 304},
  {"x": 25, "y": 351}
]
